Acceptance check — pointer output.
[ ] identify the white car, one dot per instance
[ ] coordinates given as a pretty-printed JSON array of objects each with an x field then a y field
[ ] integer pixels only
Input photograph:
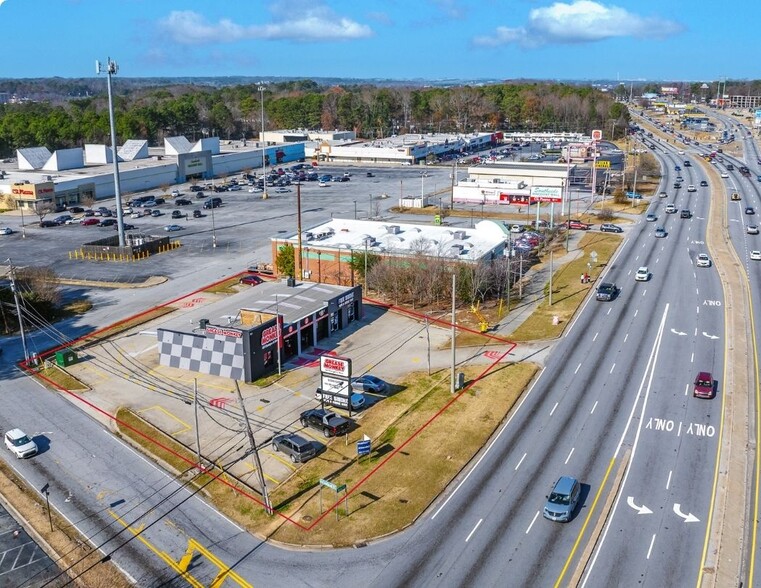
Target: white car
[
  {"x": 755, "y": 255},
  {"x": 703, "y": 260},
  {"x": 691, "y": 188},
  {"x": 752, "y": 229},
  {"x": 6, "y": 231},
  {"x": 642, "y": 275},
  {"x": 724, "y": 175},
  {"x": 671, "y": 208},
  {"x": 18, "y": 443}
]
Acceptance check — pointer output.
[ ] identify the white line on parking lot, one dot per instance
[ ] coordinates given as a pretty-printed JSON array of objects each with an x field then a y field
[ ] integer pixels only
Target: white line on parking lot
[
  {"x": 594, "y": 338},
  {"x": 649, "y": 551},
  {"x": 593, "y": 407},
  {"x": 612, "y": 368},
  {"x": 136, "y": 353},
  {"x": 668, "y": 481},
  {"x": 553, "y": 409},
  {"x": 532, "y": 522},
  {"x": 569, "y": 456},
  {"x": 611, "y": 308},
  {"x": 521, "y": 461},
  {"x": 474, "y": 530},
  {"x": 576, "y": 371}
]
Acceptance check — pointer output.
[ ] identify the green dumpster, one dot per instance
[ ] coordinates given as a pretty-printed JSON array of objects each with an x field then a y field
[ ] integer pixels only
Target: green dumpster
[{"x": 65, "y": 357}]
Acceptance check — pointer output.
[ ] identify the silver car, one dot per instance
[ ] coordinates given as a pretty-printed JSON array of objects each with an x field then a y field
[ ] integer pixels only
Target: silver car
[
  {"x": 296, "y": 447},
  {"x": 562, "y": 500}
]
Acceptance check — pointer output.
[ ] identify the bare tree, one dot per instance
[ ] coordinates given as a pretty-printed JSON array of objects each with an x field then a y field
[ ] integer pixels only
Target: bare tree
[{"x": 42, "y": 209}]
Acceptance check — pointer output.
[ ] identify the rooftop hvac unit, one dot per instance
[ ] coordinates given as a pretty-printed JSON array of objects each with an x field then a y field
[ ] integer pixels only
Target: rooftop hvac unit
[
  {"x": 459, "y": 235},
  {"x": 457, "y": 247},
  {"x": 394, "y": 229}
]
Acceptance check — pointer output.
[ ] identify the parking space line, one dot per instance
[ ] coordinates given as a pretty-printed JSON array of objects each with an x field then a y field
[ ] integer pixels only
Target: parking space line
[
  {"x": 281, "y": 460},
  {"x": 254, "y": 470},
  {"x": 185, "y": 426}
]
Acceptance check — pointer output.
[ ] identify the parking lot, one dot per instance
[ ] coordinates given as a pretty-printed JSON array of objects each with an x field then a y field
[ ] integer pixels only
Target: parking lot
[{"x": 23, "y": 563}]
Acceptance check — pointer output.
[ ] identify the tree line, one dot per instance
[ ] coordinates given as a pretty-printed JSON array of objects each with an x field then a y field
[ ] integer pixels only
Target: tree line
[{"x": 234, "y": 112}]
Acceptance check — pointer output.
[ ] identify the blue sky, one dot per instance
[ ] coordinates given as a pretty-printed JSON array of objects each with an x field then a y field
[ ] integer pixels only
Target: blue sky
[{"x": 400, "y": 39}]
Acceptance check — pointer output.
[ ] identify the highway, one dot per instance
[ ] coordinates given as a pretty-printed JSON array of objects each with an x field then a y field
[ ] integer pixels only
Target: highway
[{"x": 613, "y": 406}]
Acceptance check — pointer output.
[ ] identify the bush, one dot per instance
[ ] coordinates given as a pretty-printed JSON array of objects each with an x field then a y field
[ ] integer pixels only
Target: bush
[{"x": 606, "y": 214}]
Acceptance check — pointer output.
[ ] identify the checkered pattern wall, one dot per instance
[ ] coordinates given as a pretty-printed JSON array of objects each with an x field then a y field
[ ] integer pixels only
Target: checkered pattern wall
[{"x": 216, "y": 355}]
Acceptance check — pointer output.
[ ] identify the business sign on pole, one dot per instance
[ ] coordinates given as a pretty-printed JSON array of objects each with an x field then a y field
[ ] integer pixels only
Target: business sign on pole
[
  {"x": 546, "y": 194},
  {"x": 597, "y": 135},
  {"x": 364, "y": 446},
  {"x": 333, "y": 365}
]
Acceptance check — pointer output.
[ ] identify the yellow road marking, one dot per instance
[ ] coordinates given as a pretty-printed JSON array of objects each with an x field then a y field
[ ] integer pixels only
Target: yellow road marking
[
  {"x": 281, "y": 460},
  {"x": 185, "y": 426},
  {"x": 586, "y": 522},
  {"x": 254, "y": 470}
]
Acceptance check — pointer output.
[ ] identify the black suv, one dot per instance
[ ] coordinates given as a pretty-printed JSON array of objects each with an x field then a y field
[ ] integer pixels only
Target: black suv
[
  {"x": 685, "y": 214},
  {"x": 296, "y": 447},
  {"x": 213, "y": 203},
  {"x": 606, "y": 291}
]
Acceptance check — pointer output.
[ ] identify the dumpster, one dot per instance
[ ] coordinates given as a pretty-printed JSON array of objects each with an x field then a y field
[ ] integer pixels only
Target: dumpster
[{"x": 65, "y": 357}]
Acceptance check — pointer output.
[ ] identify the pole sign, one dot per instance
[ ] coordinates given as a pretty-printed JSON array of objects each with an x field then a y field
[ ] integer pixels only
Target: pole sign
[
  {"x": 546, "y": 194},
  {"x": 332, "y": 365},
  {"x": 597, "y": 135}
]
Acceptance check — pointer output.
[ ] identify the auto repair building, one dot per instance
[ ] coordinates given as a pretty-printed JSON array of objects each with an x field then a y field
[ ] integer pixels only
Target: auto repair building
[{"x": 237, "y": 337}]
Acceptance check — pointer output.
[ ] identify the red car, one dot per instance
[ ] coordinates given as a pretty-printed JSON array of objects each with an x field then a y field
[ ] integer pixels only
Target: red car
[
  {"x": 251, "y": 280},
  {"x": 703, "y": 386},
  {"x": 577, "y": 224},
  {"x": 91, "y": 220}
]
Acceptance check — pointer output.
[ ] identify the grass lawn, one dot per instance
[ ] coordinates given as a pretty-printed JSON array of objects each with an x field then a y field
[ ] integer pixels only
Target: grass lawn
[
  {"x": 567, "y": 291},
  {"x": 396, "y": 493},
  {"x": 62, "y": 378}
]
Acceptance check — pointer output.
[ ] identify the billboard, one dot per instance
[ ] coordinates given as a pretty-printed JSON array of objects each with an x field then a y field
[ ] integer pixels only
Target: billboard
[{"x": 546, "y": 194}]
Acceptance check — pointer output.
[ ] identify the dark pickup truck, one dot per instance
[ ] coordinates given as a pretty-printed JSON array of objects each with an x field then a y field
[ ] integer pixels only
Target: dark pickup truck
[
  {"x": 323, "y": 420},
  {"x": 744, "y": 170}
]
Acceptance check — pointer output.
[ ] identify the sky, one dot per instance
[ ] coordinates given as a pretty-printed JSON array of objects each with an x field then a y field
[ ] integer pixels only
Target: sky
[{"x": 396, "y": 39}]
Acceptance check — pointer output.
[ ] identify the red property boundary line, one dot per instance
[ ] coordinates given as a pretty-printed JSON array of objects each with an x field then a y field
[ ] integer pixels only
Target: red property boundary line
[{"x": 219, "y": 477}]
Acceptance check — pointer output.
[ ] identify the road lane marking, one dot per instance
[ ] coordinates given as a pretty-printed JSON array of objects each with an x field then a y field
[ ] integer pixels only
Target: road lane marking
[
  {"x": 650, "y": 550},
  {"x": 612, "y": 368},
  {"x": 692, "y": 357},
  {"x": 593, "y": 407},
  {"x": 553, "y": 409},
  {"x": 486, "y": 451},
  {"x": 474, "y": 530},
  {"x": 668, "y": 481},
  {"x": 609, "y": 309},
  {"x": 636, "y": 312},
  {"x": 686, "y": 389},
  {"x": 567, "y": 459},
  {"x": 532, "y": 522},
  {"x": 521, "y": 461},
  {"x": 645, "y": 385},
  {"x": 595, "y": 337},
  {"x": 576, "y": 371},
  {"x": 626, "y": 337},
  {"x": 644, "y": 291}
]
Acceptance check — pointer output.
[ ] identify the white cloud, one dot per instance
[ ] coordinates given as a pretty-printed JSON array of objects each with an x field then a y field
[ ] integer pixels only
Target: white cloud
[
  {"x": 313, "y": 24},
  {"x": 582, "y": 21}
]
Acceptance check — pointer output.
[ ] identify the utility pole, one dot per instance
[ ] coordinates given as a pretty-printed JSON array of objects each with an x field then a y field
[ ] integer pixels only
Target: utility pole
[
  {"x": 298, "y": 228},
  {"x": 551, "y": 277},
  {"x": 14, "y": 290},
  {"x": 252, "y": 442},
  {"x": 195, "y": 415},
  {"x": 453, "y": 387}
]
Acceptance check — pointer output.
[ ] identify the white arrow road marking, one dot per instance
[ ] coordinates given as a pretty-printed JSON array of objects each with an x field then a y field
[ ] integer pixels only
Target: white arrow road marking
[
  {"x": 688, "y": 518},
  {"x": 680, "y": 333},
  {"x": 709, "y": 336},
  {"x": 640, "y": 509}
]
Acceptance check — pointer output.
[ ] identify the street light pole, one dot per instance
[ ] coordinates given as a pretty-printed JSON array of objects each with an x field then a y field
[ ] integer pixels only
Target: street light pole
[
  {"x": 14, "y": 290},
  {"x": 111, "y": 69},
  {"x": 264, "y": 154},
  {"x": 355, "y": 210}
]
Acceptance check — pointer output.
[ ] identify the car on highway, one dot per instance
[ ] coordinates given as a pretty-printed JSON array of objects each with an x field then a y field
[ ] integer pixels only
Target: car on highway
[
  {"x": 562, "y": 500},
  {"x": 752, "y": 229},
  {"x": 691, "y": 188},
  {"x": 750, "y": 210},
  {"x": 294, "y": 446},
  {"x": 686, "y": 213},
  {"x": 724, "y": 175},
  {"x": 755, "y": 255},
  {"x": 702, "y": 260},
  {"x": 730, "y": 166},
  {"x": 251, "y": 280},
  {"x": 642, "y": 275},
  {"x": 677, "y": 185},
  {"x": 606, "y": 291},
  {"x": 610, "y": 228},
  {"x": 735, "y": 196},
  {"x": 671, "y": 208},
  {"x": 703, "y": 387},
  {"x": 20, "y": 444},
  {"x": 172, "y": 228},
  {"x": 663, "y": 195},
  {"x": 651, "y": 218},
  {"x": 369, "y": 383},
  {"x": 703, "y": 184},
  {"x": 660, "y": 232}
]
